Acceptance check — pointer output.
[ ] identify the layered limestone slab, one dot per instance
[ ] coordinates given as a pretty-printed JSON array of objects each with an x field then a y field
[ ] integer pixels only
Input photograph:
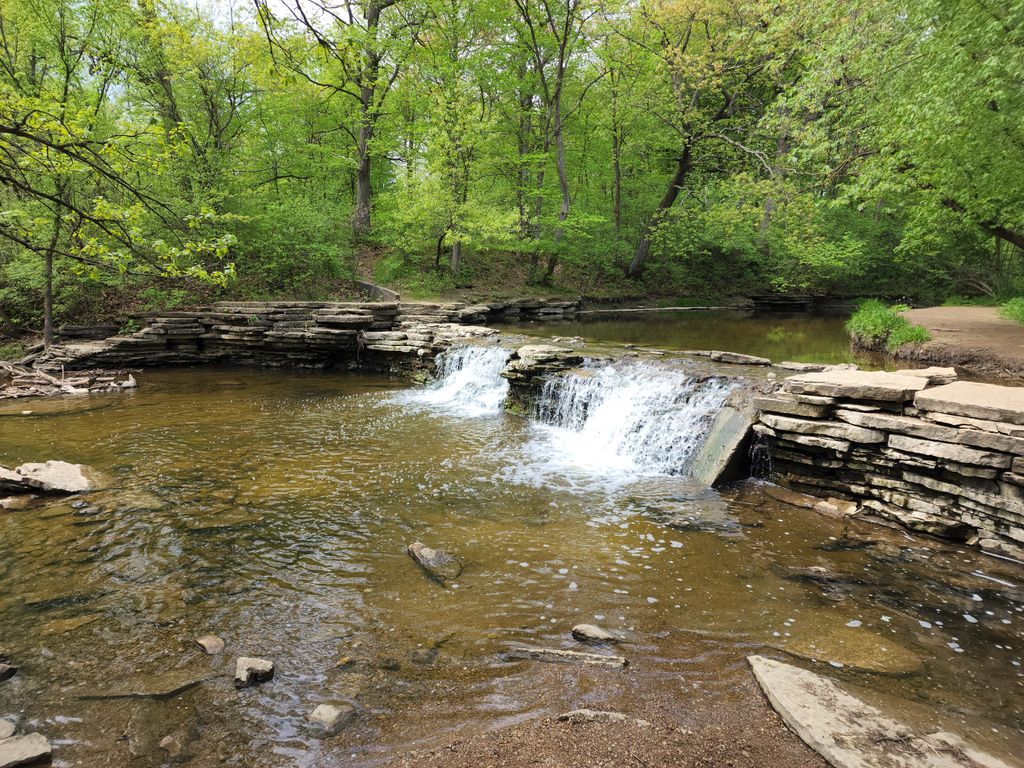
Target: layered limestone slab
[
  {"x": 849, "y": 733},
  {"x": 976, "y": 401},
  {"x": 957, "y": 453},
  {"x": 858, "y": 385},
  {"x": 791, "y": 407},
  {"x": 837, "y": 429}
]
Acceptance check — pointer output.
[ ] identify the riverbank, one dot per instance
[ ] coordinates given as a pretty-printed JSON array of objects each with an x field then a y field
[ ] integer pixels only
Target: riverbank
[
  {"x": 977, "y": 340},
  {"x": 684, "y": 732}
]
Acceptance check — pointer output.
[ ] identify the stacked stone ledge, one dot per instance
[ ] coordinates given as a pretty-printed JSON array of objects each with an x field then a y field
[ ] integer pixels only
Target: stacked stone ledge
[
  {"x": 376, "y": 335},
  {"x": 910, "y": 447}
]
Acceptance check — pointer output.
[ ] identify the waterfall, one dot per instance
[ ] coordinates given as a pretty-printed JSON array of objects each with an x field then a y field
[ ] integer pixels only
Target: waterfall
[
  {"x": 468, "y": 382},
  {"x": 630, "y": 418}
]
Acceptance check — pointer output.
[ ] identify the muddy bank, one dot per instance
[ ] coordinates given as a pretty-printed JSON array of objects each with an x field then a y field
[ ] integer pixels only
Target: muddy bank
[{"x": 976, "y": 340}]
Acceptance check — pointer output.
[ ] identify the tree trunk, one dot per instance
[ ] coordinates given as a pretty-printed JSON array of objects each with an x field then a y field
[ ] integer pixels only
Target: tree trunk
[
  {"x": 563, "y": 185},
  {"x": 48, "y": 299},
  {"x": 361, "y": 211},
  {"x": 616, "y": 158},
  {"x": 456, "y": 256},
  {"x": 367, "y": 123},
  {"x": 636, "y": 267}
]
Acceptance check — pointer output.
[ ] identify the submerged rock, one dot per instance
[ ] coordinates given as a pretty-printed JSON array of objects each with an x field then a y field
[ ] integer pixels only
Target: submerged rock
[
  {"x": 856, "y": 648},
  {"x": 590, "y": 633},
  {"x": 211, "y": 644},
  {"x": 849, "y": 733},
  {"x": 250, "y": 671},
  {"x": 578, "y": 716},
  {"x": 7, "y": 671},
  {"x": 566, "y": 657},
  {"x": 157, "y": 686},
  {"x": 439, "y": 565},
  {"x": 332, "y": 717},
  {"x": 24, "y": 750},
  {"x": 170, "y": 745},
  {"x": 7, "y": 729}
]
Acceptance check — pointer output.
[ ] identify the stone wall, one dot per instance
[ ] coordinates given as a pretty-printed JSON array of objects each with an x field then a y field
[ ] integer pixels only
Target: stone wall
[
  {"x": 377, "y": 335},
  {"x": 912, "y": 447}
]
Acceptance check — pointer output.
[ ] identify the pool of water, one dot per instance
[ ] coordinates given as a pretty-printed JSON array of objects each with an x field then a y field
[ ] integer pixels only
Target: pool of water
[
  {"x": 807, "y": 338},
  {"x": 274, "y": 508}
]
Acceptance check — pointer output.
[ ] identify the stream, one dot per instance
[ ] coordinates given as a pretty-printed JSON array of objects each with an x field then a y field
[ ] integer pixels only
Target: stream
[{"x": 274, "y": 508}]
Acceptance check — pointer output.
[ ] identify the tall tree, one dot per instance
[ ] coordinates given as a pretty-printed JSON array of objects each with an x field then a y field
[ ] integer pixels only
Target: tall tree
[{"x": 355, "y": 49}]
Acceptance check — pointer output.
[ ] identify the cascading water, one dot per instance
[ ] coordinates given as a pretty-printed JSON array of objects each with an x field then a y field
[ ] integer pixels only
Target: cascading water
[
  {"x": 630, "y": 418},
  {"x": 469, "y": 382}
]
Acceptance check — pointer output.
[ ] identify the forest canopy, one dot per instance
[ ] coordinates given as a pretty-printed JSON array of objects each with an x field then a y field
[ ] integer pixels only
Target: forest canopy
[{"x": 163, "y": 152}]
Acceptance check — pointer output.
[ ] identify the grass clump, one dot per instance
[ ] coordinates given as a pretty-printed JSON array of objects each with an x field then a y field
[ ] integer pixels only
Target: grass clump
[
  {"x": 877, "y": 324},
  {"x": 1013, "y": 309},
  {"x": 12, "y": 350}
]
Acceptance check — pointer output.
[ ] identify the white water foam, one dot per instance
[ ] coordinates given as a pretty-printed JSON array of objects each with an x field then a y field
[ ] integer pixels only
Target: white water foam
[
  {"x": 468, "y": 384},
  {"x": 618, "y": 422}
]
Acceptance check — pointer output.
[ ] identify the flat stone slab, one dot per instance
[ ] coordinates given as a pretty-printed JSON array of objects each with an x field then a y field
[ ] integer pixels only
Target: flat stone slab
[
  {"x": 976, "y": 401},
  {"x": 934, "y": 374},
  {"x": 24, "y": 750},
  {"x": 857, "y": 385},
  {"x": 161, "y": 685},
  {"x": 567, "y": 657},
  {"x": 56, "y": 477},
  {"x": 849, "y": 733}
]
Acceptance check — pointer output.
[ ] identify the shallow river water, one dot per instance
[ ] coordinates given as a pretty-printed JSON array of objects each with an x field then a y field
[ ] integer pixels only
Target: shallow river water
[{"x": 273, "y": 509}]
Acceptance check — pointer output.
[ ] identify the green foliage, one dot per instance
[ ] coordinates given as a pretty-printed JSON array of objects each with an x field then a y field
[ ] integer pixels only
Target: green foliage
[
  {"x": 160, "y": 156},
  {"x": 1013, "y": 309},
  {"x": 877, "y": 324},
  {"x": 12, "y": 351}
]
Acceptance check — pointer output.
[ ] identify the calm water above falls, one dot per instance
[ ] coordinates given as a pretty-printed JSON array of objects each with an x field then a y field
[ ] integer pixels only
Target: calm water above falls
[
  {"x": 808, "y": 338},
  {"x": 273, "y": 509}
]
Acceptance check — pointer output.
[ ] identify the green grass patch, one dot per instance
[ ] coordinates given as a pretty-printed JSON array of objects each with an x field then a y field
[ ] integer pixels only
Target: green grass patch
[
  {"x": 12, "y": 350},
  {"x": 877, "y": 324},
  {"x": 1013, "y": 309}
]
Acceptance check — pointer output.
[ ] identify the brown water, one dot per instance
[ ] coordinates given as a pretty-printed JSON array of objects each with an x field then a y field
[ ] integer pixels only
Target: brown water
[
  {"x": 808, "y": 338},
  {"x": 273, "y": 509}
]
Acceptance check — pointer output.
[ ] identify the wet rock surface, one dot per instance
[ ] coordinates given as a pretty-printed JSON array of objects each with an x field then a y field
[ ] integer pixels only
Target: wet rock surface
[
  {"x": 159, "y": 685},
  {"x": 441, "y": 566},
  {"x": 558, "y": 656},
  {"x": 332, "y": 717},
  {"x": 590, "y": 633},
  {"x": 212, "y": 645},
  {"x": 251, "y": 671}
]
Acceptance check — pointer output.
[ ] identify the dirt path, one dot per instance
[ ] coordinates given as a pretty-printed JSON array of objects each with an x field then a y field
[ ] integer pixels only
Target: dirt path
[{"x": 976, "y": 339}]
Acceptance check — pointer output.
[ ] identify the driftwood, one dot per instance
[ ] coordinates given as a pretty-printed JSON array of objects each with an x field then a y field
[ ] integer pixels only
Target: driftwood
[{"x": 19, "y": 381}]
